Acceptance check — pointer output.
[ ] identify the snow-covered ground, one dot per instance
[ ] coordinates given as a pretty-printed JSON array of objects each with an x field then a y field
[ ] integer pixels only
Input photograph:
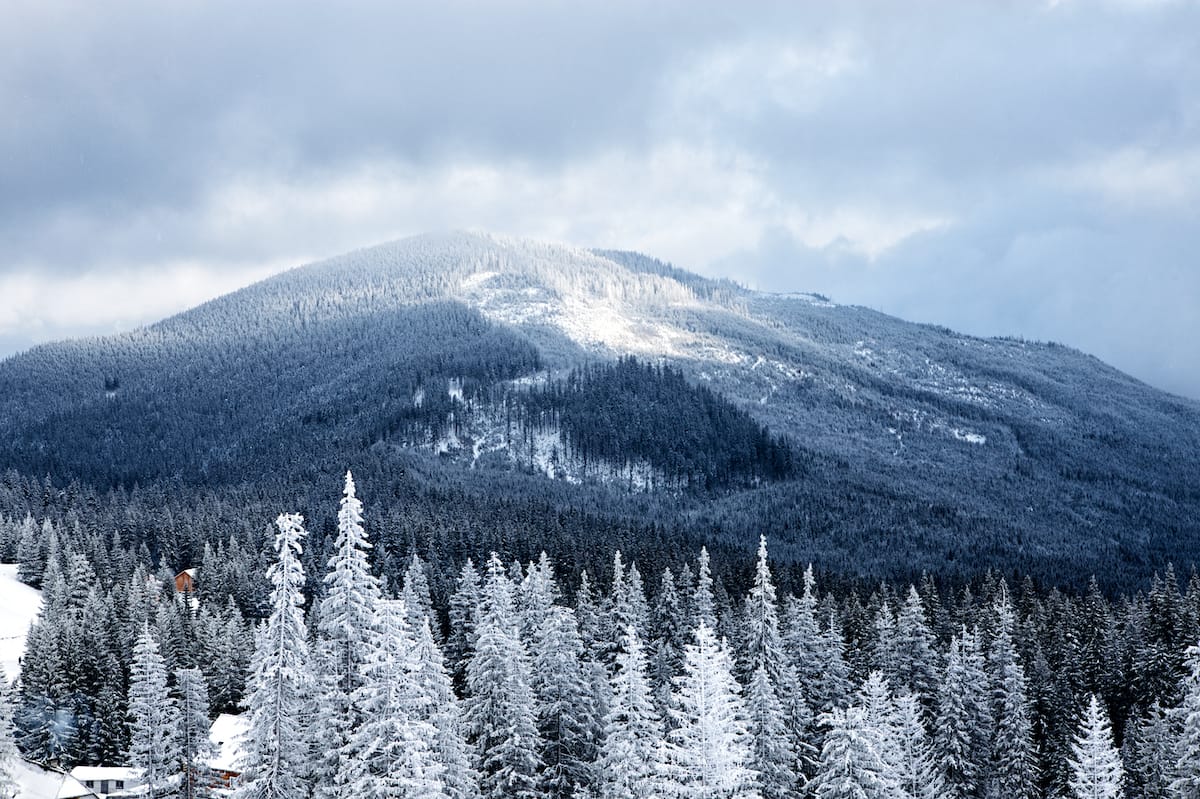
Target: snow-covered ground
[{"x": 19, "y": 605}]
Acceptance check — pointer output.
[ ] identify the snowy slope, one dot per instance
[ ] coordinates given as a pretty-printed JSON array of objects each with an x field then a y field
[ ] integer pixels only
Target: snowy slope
[{"x": 19, "y": 605}]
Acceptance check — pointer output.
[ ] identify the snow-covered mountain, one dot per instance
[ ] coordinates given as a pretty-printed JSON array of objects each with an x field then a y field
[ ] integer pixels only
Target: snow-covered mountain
[{"x": 909, "y": 442}]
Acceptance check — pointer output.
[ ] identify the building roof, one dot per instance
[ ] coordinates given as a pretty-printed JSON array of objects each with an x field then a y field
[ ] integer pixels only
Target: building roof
[
  {"x": 98, "y": 773},
  {"x": 35, "y": 781},
  {"x": 228, "y": 734}
]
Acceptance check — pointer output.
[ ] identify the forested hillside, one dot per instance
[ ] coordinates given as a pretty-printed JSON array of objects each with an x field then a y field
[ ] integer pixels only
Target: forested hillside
[
  {"x": 532, "y": 679},
  {"x": 443, "y": 365}
]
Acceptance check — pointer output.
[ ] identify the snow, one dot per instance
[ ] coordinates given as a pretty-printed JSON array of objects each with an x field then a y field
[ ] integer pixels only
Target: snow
[
  {"x": 99, "y": 773},
  {"x": 41, "y": 782},
  {"x": 21, "y": 606},
  {"x": 227, "y": 735},
  {"x": 968, "y": 436}
]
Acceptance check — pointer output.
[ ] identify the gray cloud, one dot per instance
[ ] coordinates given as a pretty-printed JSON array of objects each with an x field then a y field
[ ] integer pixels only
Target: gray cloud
[{"x": 1028, "y": 169}]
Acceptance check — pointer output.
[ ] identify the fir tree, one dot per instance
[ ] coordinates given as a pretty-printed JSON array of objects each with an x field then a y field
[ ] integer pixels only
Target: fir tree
[
  {"x": 500, "y": 709},
  {"x": 1186, "y": 782},
  {"x": 1014, "y": 759},
  {"x": 443, "y": 711},
  {"x": 632, "y": 729},
  {"x": 850, "y": 766},
  {"x": 8, "y": 746},
  {"x": 346, "y": 613},
  {"x": 709, "y": 753},
  {"x": 153, "y": 739},
  {"x": 195, "y": 747},
  {"x": 281, "y": 681},
  {"x": 916, "y": 772},
  {"x": 1095, "y": 764},
  {"x": 566, "y": 719},
  {"x": 390, "y": 755}
]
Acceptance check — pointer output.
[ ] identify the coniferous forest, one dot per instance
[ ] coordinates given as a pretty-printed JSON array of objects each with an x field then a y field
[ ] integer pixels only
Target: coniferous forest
[{"x": 495, "y": 677}]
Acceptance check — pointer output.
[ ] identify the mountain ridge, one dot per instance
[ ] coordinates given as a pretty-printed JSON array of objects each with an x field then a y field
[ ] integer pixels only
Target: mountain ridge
[{"x": 917, "y": 447}]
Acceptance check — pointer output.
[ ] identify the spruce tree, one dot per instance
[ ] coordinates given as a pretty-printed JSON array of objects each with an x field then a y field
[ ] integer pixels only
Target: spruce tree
[
  {"x": 566, "y": 713},
  {"x": 961, "y": 738},
  {"x": 8, "y": 746},
  {"x": 153, "y": 724},
  {"x": 916, "y": 772},
  {"x": 1095, "y": 764},
  {"x": 916, "y": 659},
  {"x": 1148, "y": 754},
  {"x": 850, "y": 766},
  {"x": 500, "y": 708},
  {"x": 195, "y": 747},
  {"x": 703, "y": 601},
  {"x": 1186, "y": 781},
  {"x": 1013, "y": 758},
  {"x": 626, "y": 768},
  {"x": 346, "y": 637},
  {"x": 281, "y": 681},
  {"x": 464, "y": 609},
  {"x": 709, "y": 753},
  {"x": 444, "y": 712},
  {"x": 390, "y": 755},
  {"x": 770, "y": 678}
]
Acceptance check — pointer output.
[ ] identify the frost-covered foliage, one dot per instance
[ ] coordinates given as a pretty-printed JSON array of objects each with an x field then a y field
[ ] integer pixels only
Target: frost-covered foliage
[
  {"x": 8, "y": 747},
  {"x": 281, "y": 681},
  {"x": 154, "y": 742},
  {"x": 574, "y": 687},
  {"x": 1096, "y": 771}
]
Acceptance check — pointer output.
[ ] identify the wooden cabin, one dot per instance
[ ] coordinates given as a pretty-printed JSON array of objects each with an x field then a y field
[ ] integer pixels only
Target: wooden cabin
[{"x": 185, "y": 582}]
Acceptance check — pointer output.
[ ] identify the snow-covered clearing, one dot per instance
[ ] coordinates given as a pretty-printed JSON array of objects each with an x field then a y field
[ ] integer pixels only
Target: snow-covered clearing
[{"x": 19, "y": 605}]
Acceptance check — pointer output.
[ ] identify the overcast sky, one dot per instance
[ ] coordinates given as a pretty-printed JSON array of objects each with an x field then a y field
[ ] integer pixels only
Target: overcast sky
[{"x": 998, "y": 167}]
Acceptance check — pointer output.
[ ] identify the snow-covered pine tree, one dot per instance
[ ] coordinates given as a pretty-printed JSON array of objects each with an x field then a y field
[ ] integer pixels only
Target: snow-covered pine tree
[
  {"x": 916, "y": 772},
  {"x": 345, "y": 641},
  {"x": 875, "y": 698},
  {"x": 416, "y": 595},
  {"x": 916, "y": 660},
  {"x": 1095, "y": 764},
  {"x": 8, "y": 746},
  {"x": 961, "y": 737},
  {"x": 666, "y": 661},
  {"x": 464, "y": 608},
  {"x": 850, "y": 766},
  {"x": 770, "y": 677},
  {"x": 195, "y": 747},
  {"x": 389, "y": 755},
  {"x": 500, "y": 709},
  {"x": 450, "y": 746},
  {"x": 281, "y": 681},
  {"x": 1013, "y": 757},
  {"x": 626, "y": 768},
  {"x": 566, "y": 708},
  {"x": 1148, "y": 754},
  {"x": 1186, "y": 781},
  {"x": 703, "y": 601},
  {"x": 709, "y": 753},
  {"x": 153, "y": 723}
]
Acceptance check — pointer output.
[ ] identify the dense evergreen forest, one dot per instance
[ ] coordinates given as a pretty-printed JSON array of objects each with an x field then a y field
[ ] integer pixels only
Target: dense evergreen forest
[
  {"x": 441, "y": 368},
  {"x": 545, "y": 677},
  {"x": 692, "y": 435}
]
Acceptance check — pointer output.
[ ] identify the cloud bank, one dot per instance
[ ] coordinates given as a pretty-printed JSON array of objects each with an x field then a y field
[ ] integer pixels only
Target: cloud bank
[{"x": 1015, "y": 168}]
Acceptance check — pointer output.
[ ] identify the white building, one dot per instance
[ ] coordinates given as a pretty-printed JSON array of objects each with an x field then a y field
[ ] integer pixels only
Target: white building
[{"x": 106, "y": 780}]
